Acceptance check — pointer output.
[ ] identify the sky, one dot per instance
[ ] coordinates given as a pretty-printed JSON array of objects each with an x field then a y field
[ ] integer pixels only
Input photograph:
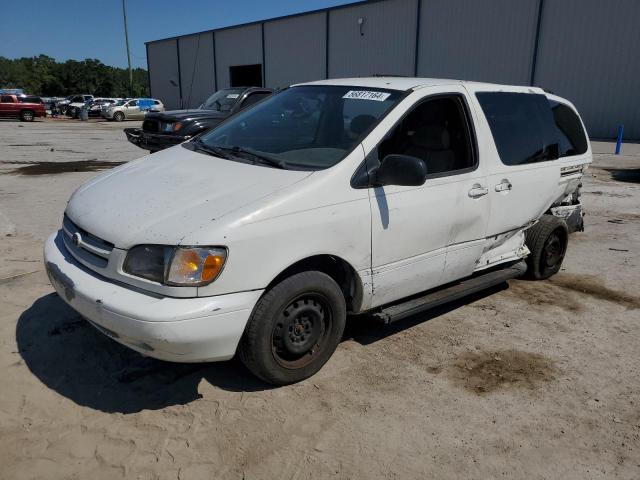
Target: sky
[{"x": 79, "y": 29}]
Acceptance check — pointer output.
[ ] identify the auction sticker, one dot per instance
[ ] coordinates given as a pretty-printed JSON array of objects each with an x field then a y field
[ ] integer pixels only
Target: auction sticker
[
  {"x": 233, "y": 95},
  {"x": 366, "y": 95}
]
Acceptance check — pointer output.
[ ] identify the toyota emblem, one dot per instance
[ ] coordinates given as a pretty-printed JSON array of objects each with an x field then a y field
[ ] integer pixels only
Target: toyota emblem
[{"x": 76, "y": 238}]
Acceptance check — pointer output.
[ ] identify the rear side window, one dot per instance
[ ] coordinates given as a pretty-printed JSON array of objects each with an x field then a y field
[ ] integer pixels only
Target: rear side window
[
  {"x": 527, "y": 129},
  {"x": 6, "y": 99},
  {"x": 31, "y": 100}
]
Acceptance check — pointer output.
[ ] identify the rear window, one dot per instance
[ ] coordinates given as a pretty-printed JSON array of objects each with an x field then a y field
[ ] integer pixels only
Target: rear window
[
  {"x": 30, "y": 99},
  {"x": 529, "y": 128}
]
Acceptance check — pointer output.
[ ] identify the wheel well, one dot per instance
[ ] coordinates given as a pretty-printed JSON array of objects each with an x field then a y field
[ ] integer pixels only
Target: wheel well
[{"x": 337, "y": 268}]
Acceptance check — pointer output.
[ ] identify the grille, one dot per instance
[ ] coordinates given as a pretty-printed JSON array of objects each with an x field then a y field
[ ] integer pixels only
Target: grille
[
  {"x": 85, "y": 247},
  {"x": 151, "y": 126}
]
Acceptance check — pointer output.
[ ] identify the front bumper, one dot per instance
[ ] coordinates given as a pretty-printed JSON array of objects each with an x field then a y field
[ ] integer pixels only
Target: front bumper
[
  {"x": 173, "y": 329},
  {"x": 153, "y": 141}
]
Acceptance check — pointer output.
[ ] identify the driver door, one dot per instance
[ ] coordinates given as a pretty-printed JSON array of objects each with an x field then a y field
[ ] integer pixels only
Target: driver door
[
  {"x": 425, "y": 236},
  {"x": 132, "y": 110}
]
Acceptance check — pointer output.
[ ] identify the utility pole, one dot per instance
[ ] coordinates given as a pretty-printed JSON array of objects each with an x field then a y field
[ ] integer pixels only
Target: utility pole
[{"x": 126, "y": 40}]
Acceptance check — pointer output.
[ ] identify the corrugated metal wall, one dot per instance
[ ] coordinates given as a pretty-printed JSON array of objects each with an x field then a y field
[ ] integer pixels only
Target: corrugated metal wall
[
  {"x": 589, "y": 53},
  {"x": 295, "y": 50},
  {"x": 488, "y": 40},
  {"x": 162, "y": 61},
  {"x": 587, "y": 50},
  {"x": 237, "y": 46},
  {"x": 384, "y": 43},
  {"x": 197, "y": 70}
]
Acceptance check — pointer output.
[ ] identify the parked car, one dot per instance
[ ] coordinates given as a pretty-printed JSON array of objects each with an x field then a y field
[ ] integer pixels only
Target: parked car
[
  {"x": 94, "y": 108},
  {"x": 131, "y": 109},
  {"x": 380, "y": 195},
  {"x": 25, "y": 108},
  {"x": 71, "y": 105},
  {"x": 162, "y": 130}
]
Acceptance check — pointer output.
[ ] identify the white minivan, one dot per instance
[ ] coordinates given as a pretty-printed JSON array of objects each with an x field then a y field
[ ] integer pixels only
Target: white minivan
[{"x": 379, "y": 195}]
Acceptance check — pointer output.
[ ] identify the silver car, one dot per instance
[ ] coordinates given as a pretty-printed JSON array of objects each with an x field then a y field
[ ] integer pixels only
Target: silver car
[{"x": 131, "y": 109}]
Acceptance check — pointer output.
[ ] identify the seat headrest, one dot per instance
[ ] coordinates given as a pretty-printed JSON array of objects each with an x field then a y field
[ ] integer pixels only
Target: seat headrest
[
  {"x": 431, "y": 137},
  {"x": 361, "y": 123}
]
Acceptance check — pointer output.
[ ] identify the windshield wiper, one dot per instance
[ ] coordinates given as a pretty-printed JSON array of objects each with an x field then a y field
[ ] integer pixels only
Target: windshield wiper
[
  {"x": 200, "y": 146},
  {"x": 260, "y": 156}
]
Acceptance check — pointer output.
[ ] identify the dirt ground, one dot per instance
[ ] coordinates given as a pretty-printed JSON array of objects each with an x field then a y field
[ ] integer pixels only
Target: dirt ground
[{"x": 530, "y": 380}]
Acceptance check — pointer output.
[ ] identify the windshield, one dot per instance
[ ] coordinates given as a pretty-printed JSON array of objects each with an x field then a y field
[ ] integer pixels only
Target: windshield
[
  {"x": 119, "y": 103},
  {"x": 222, "y": 100},
  {"x": 310, "y": 126}
]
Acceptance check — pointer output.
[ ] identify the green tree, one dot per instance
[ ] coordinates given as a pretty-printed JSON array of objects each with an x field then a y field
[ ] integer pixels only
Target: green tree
[{"x": 42, "y": 75}]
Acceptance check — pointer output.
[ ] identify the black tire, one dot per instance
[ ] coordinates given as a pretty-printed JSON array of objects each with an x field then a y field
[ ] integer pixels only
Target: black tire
[
  {"x": 27, "y": 115},
  {"x": 75, "y": 112},
  {"x": 547, "y": 240},
  {"x": 294, "y": 328},
  {"x": 118, "y": 116}
]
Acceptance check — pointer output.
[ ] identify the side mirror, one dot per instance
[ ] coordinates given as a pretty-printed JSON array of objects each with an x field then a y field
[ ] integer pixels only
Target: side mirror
[{"x": 401, "y": 170}]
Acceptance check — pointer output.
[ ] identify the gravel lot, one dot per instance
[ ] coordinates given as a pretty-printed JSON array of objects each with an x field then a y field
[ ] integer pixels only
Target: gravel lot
[{"x": 530, "y": 380}]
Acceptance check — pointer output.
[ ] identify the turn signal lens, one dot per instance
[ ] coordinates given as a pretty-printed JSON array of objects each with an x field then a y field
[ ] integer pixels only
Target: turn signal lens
[{"x": 195, "y": 266}]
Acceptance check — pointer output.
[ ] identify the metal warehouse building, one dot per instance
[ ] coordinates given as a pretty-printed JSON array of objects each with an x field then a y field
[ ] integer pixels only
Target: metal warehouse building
[{"x": 585, "y": 50}]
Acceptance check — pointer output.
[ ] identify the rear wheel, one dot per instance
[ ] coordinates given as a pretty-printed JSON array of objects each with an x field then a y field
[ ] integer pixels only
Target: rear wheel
[
  {"x": 547, "y": 240},
  {"x": 27, "y": 115},
  {"x": 118, "y": 116},
  {"x": 294, "y": 329}
]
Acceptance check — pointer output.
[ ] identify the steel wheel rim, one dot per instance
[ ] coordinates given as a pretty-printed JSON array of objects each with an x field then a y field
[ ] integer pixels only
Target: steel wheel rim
[{"x": 301, "y": 330}]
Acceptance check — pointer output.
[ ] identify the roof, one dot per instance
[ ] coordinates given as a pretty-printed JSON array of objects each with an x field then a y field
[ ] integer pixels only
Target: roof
[{"x": 408, "y": 83}]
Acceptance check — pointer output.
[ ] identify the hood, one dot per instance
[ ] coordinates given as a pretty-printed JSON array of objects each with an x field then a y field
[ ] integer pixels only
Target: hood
[
  {"x": 179, "y": 115},
  {"x": 163, "y": 197}
]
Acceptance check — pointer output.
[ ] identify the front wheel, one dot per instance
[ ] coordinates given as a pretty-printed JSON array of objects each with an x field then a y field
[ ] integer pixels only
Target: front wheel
[
  {"x": 294, "y": 329},
  {"x": 547, "y": 240},
  {"x": 118, "y": 116}
]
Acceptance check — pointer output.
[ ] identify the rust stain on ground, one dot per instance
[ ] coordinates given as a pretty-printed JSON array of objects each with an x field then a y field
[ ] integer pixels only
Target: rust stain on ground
[
  {"x": 543, "y": 293},
  {"x": 593, "y": 286},
  {"x": 485, "y": 372},
  {"x": 52, "y": 168},
  {"x": 559, "y": 290}
]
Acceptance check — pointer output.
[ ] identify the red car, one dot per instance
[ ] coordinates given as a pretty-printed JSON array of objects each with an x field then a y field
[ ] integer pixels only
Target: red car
[{"x": 26, "y": 109}]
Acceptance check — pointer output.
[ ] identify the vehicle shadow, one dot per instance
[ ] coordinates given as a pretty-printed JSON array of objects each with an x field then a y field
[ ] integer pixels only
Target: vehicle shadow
[
  {"x": 71, "y": 357},
  {"x": 628, "y": 175}
]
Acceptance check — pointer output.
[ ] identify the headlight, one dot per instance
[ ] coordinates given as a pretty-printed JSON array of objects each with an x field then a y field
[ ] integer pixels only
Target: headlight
[{"x": 178, "y": 266}]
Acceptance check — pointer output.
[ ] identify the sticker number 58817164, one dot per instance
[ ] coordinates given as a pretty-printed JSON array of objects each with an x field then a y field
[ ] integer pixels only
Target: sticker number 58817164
[{"x": 366, "y": 95}]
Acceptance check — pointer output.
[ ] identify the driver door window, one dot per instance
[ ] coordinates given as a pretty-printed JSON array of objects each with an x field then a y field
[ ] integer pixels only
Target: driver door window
[{"x": 437, "y": 132}]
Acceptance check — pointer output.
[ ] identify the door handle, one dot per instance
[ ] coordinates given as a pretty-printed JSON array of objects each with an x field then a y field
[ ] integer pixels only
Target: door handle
[
  {"x": 478, "y": 191},
  {"x": 504, "y": 186}
]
